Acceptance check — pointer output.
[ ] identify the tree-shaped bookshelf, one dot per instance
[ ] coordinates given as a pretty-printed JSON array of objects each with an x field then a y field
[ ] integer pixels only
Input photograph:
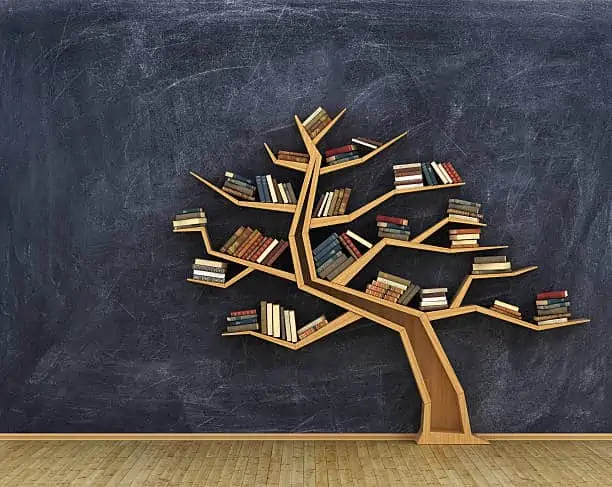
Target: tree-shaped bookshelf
[{"x": 445, "y": 417}]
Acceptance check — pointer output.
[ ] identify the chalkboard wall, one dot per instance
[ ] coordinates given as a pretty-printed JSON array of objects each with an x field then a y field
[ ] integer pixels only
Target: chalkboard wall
[{"x": 106, "y": 106}]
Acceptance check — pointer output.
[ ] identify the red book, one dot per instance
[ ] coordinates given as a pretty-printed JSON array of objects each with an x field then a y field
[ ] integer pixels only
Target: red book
[
  {"x": 261, "y": 249},
  {"x": 391, "y": 219},
  {"x": 340, "y": 150},
  {"x": 348, "y": 241},
  {"x": 552, "y": 295},
  {"x": 280, "y": 248},
  {"x": 244, "y": 312},
  {"x": 450, "y": 169}
]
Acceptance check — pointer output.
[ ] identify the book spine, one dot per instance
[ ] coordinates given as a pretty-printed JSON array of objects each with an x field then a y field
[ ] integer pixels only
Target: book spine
[
  {"x": 245, "y": 327},
  {"x": 345, "y": 201},
  {"x": 260, "y": 191},
  {"x": 263, "y": 317},
  {"x": 319, "y": 248},
  {"x": 359, "y": 239},
  {"x": 271, "y": 189},
  {"x": 281, "y": 189},
  {"x": 238, "y": 194},
  {"x": 244, "y": 247},
  {"x": 315, "y": 213},
  {"x": 232, "y": 239},
  {"x": 233, "y": 175},
  {"x": 552, "y": 295},
  {"x": 276, "y": 253},
  {"x": 263, "y": 244},
  {"x": 391, "y": 219},
  {"x": 312, "y": 116},
  {"x": 240, "y": 240},
  {"x": 339, "y": 150},
  {"x": 348, "y": 240},
  {"x": 338, "y": 202},
  {"x": 347, "y": 247},
  {"x": 332, "y": 275}
]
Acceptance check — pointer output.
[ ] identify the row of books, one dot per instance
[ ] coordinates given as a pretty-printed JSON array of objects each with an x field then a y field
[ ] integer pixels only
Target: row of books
[
  {"x": 286, "y": 155},
  {"x": 332, "y": 203},
  {"x": 190, "y": 218},
  {"x": 467, "y": 210},
  {"x": 493, "y": 264},
  {"x": 250, "y": 244},
  {"x": 392, "y": 288},
  {"x": 552, "y": 307},
  {"x": 419, "y": 174},
  {"x": 242, "y": 320},
  {"x": 316, "y": 121},
  {"x": 392, "y": 227},
  {"x": 330, "y": 258},
  {"x": 209, "y": 270},
  {"x": 344, "y": 153},
  {"x": 433, "y": 299},
  {"x": 506, "y": 308},
  {"x": 461, "y": 238},
  {"x": 266, "y": 188}
]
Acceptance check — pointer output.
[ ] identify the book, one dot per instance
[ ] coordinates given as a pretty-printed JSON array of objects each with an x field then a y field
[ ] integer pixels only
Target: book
[
  {"x": 244, "y": 327},
  {"x": 188, "y": 216},
  {"x": 441, "y": 175},
  {"x": 253, "y": 239},
  {"x": 454, "y": 211},
  {"x": 342, "y": 158},
  {"x": 433, "y": 290},
  {"x": 276, "y": 331},
  {"x": 281, "y": 317},
  {"x": 189, "y": 222},
  {"x": 328, "y": 204},
  {"x": 409, "y": 186},
  {"x": 409, "y": 294},
  {"x": 292, "y": 193},
  {"x": 210, "y": 263},
  {"x": 271, "y": 189},
  {"x": 392, "y": 277},
  {"x": 317, "y": 208},
  {"x": 490, "y": 259},
  {"x": 233, "y": 175},
  {"x": 553, "y": 321},
  {"x": 543, "y": 312},
  {"x": 333, "y": 202},
  {"x": 197, "y": 272},
  {"x": 260, "y": 249},
  {"x": 342, "y": 155},
  {"x": 338, "y": 269},
  {"x": 391, "y": 219},
  {"x": 242, "y": 319},
  {"x": 502, "y": 304},
  {"x": 370, "y": 144},
  {"x": 551, "y": 317},
  {"x": 462, "y": 231},
  {"x": 548, "y": 301},
  {"x": 359, "y": 239},
  {"x": 263, "y": 315},
  {"x": 340, "y": 150},
  {"x": 276, "y": 253},
  {"x": 385, "y": 225},
  {"x": 312, "y": 116},
  {"x": 464, "y": 236},
  {"x": 190, "y": 210},
  {"x": 329, "y": 240},
  {"x": 340, "y": 260},
  {"x": 452, "y": 172},
  {"x": 357, "y": 253},
  {"x": 492, "y": 266},
  {"x": 240, "y": 185},
  {"x": 467, "y": 219},
  {"x": 268, "y": 249},
  {"x": 219, "y": 280},
  {"x": 317, "y": 321},
  {"x": 507, "y": 311},
  {"x": 348, "y": 247},
  {"x": 216, "y": 270},
  {"x": 293, "y": 326},
  {"x": 345, "y": 200},
  {"x": 553, "y": 305},
  {"x": 269, "y": 319},
  {"x": 238, "y": 241},
  {"x": 552, "y": 295},
  {"x": 396, "y": 236}
]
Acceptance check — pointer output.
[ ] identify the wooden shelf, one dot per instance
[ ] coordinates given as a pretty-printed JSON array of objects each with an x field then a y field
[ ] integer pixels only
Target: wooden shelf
[
  {"x": 349, "y": 217},
  {"x": 362, "y": 159},
  {"x": 296, "y": 166},
  {"x": 226, "y": 284},
  {"x": 247, "y": 204},
  {"x": 467, "y": 281},
  {"x": 474, "y": 308},
  {"x": 341, "y": 321},
  {"x": 425, "y": 234}
]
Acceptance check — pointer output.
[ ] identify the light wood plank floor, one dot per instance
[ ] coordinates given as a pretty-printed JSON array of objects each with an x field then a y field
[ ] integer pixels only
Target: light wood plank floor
[{"x": 293, "y": 463}]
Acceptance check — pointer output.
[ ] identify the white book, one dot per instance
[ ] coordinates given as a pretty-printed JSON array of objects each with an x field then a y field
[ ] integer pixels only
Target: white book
[
  {"x": 501, "y": 304},
  {"x": 364, "y": 143},
  {"x": 191, "y": 221},
  {"x": 294, "y": 337},
  {"x": 553, "y": 321},
  {"x": 328, "y": 204},
  {"x": 493, "y": 266},
  {"x": 359, "y": 239},
  {"x": 448, "y": 178},
  {"x": 210, "y": 263},
  {"x": 471, "y": 219},
  {"x": 197, "y": 272},
  {"x": 269, "y": 319},
  {"x": 465, "y": 236},
  {"x": 322, "y": 208},
  {"x": 287, "y": 322},
  {"x": 266, "y": 252},
  {"x": 459, "y": 243},
  {"x": 283, "y": 194},
  {"x": 271, "y": 188},
  {"x": 397, "y": 285},
  {"x": 416, "y": 177},
  {"x": 440, "y": 174},
  {"x": 276, "y": 320},
  {"x": 408, "y": 186},
  {"x": 312, "y": 116},
  {"x": 433, "y": 300},
  {"x": 407, "y": 166},
  {"x": 434, "y": 290}
]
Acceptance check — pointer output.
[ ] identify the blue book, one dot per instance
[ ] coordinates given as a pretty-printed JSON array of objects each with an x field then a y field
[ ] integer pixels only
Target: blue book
[
  {"x": 324, "y": 256},
  {"x": 425, "y": 169},
  {"x": 334, "y": 257},
  {"x": 260, "y": 191},
  {"x": 332, "y": 237},
  {"x": 325, "y": 248},
  {"x": 432, "y": 175}
]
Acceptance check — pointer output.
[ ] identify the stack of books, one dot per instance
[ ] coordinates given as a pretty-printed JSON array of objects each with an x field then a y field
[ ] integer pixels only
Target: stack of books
[
  {"x": 392, "y": 288},
  {"x": 494, "y": 264},
  {"x": 332, "y": 203},
  {"x": 464, "y": 237},
  {"x": 341, "y": 154},
  {"x": 506, "y": 308},
  {"x": 368, "y": 144},
  {"x": 392, "y": 227},
  {"x": 329, "y": 258},
  {"x": 433, "y": 299},
  {"x": 249, "y": 244},
  {"x": 278, "y": 322},
  {"x": 408, "y": 176},
  {"x": 190, "y": 218},
  {"x": 209, "y": 270},
  {"x": 440, "y": 173},
  {"x": 552, "y": 307},
  {"x": 316, "y": 122},
  {"x": 467, "y": 210},
  {"x": 239, "y": 186},
  {"x": 242, "y": 320},
  {"x": 285, "y": 155},
  {"x": 271, "y": 191},
  {"x": 310, "y": 328}
]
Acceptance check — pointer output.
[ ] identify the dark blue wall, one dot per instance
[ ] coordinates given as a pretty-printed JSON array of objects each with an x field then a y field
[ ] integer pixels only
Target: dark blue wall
[{"x": 105, "y": 107}]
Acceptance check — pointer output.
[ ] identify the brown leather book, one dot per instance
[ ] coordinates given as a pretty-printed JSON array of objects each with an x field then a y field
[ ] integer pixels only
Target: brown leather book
[
  {"x": 260, "y": 249},
  {"x": 232, "y": 239},
  {"x": 345, "y": 201},
  {"x": 318, "y": 207},
  {"x": 276, "y": 253},
  {"x": 240, "y": 240},
  {"x": 507, "y": 311},
  {"x": 248, "y": 255},
  {"x": 338, "y": 202},
  {"x": 460, "y": 231},
  {"x": 244, "y": 247},
  {"x": 287, "y": 157},
  {"x": 238, "y": 194}
]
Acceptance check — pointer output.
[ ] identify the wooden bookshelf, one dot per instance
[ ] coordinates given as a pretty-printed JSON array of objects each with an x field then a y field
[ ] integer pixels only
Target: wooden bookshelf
[
  {"x": 327, "y": 221},
  {"x": 246, "y": 204},
  {"x": 444, "y": 416}
]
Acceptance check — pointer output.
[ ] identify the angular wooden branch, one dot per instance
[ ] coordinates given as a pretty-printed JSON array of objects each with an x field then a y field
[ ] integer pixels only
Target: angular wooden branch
[
  {"x": 246, "y": 204},
  {"x": 474, "y": 308},
  {"x": 336, "y": 324}
]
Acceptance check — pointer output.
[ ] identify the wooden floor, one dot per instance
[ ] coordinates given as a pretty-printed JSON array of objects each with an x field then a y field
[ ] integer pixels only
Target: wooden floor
[{"x": 316, "y": 463}]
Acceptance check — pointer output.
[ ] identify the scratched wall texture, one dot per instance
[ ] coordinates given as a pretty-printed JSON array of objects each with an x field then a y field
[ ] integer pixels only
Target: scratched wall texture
[{"x": 106, "y": 106}]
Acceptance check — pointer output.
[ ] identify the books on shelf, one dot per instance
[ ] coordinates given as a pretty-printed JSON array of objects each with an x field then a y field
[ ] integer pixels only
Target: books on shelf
[
  {"x": 406, "y": 176},
  {"x": 392, "y": 227},
  {"x": 336, "y": 253},
  {"x": 466, "y": 210},
  {"x": 242, "y": 320},
  {"x": 433, "y": 299},
  {"x": 332, "y": 203},
  {"x": 239, "y": 186},
  {"x": 311, "y": 327},
  {"x": 209, "y": 270},
  {"x": 493, "y": 264},
  {"x": 278, "y": 321},
  {"x": 285, "y": 155},
  {"x": 507, "y": 308},
  {"x": 269, "y": 190},
  {"x": 552, "y": 307},
  {"x": 345, "y": 153},
  {"x": 464, "y": 237},
  {"x": 316, "y": 122},
  {"x": 392, "y": 288},
  {"x": 250, "y": 244},
  {"x": 190, "y": 218}
]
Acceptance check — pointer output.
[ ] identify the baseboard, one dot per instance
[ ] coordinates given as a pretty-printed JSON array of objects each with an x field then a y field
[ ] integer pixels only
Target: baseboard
[{"x": 289, "y": 436}]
